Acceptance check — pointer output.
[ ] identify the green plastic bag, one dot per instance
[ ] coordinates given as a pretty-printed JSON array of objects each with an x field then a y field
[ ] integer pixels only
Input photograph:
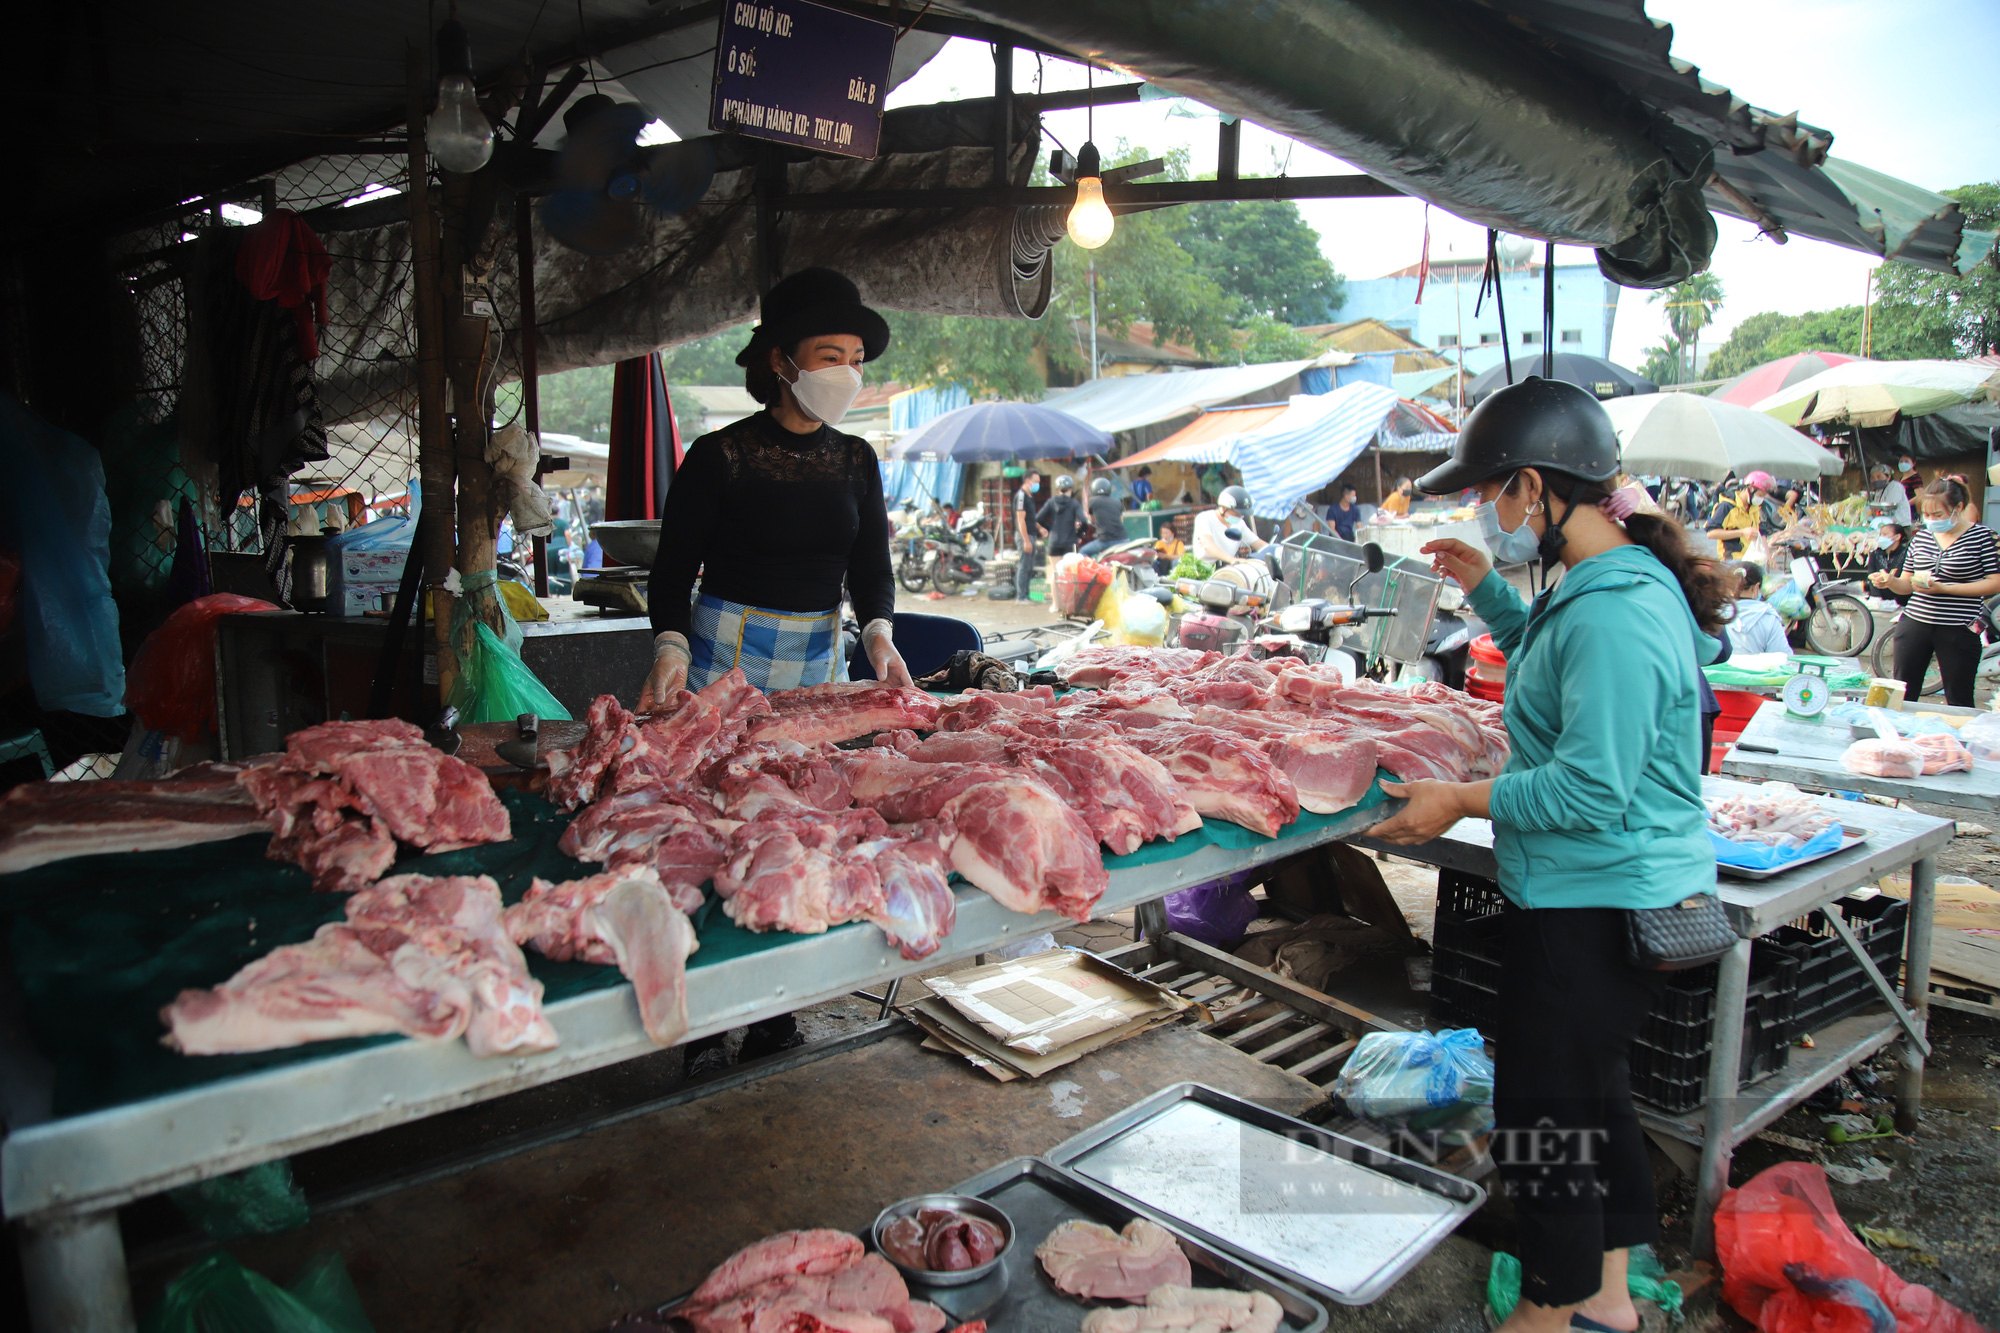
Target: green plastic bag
[
  {"x": 219, "y": 1295},
  {"x": 259, "y": 1201},
  {"x": 1644, "y": 1278},
  {"x": 495, "y": 685}
]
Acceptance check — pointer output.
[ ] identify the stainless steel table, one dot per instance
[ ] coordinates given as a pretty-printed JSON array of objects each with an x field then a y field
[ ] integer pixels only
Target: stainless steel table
[
  {"x": 1808, "y": 754},
  {"x": 61, "y": 1182},
  {"x": 1730, "y": 1116}
]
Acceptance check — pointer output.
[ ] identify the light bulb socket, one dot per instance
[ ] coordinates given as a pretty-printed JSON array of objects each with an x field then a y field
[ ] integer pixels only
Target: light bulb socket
[
  {"x": 454, "y": 50},
  {"x": 1086, "y": 161}
]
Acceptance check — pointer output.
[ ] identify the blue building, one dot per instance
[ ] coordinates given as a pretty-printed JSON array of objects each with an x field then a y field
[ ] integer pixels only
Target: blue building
[{"x": 1586, "y": 305}]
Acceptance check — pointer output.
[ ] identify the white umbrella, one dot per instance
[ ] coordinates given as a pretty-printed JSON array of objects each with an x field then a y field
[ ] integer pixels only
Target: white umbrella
[
  {"x": 1874, "y": 393},
  {"x": 1693, "y": 435}
]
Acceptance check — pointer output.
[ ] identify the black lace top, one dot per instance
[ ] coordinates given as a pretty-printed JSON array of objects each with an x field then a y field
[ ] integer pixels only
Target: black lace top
[{"x": 777, "y": 520}]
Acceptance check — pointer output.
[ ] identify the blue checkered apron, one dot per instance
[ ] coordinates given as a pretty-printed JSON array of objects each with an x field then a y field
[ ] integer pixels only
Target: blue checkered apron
[{"x": 778, "y": 650}]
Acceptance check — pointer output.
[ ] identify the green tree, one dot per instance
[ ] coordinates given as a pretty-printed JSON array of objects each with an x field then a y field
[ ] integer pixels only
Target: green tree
[
  {"x": 1769, "y": 336},
  {"x": 575, "y": 402},
  {"x": 1664, "y": 362},
  {"x": 1925, "y": 314},
  {"x": 1268, "y": 338},
  {"x": 991, "y": 357},
  {"x": 1691, "y": 307},
  {"x": 1264, "y": 253}
]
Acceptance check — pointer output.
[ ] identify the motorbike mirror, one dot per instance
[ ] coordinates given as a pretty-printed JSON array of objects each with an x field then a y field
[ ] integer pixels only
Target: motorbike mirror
[{"x": 1371, "y": 554}]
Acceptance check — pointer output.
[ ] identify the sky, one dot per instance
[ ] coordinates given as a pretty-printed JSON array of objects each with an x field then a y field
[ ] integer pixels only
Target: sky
[{"x": 1905, "y": 88}]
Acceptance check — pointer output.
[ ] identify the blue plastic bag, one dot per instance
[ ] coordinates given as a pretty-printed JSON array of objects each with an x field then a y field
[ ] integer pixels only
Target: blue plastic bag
[
  {"x": 54, "y": 514},
  {"x": 1763, "y": 856},
  {"x": 1428, "y": 1083}
]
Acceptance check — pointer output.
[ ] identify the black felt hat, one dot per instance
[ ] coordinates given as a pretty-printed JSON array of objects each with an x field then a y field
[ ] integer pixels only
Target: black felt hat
[{"x": 809, "y": 303}]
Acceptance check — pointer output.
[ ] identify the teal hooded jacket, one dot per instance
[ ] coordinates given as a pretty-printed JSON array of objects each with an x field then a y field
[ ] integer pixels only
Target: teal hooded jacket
[{"x": 1600, "y": 802}]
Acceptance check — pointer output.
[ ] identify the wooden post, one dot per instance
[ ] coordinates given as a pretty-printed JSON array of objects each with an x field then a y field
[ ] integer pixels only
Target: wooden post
[
  {"x": 1003, "y": 113},
  {"x": 467, "y": 343},
  {"x": 434, "y": 452},
  {"x": 531, "y": 397}
]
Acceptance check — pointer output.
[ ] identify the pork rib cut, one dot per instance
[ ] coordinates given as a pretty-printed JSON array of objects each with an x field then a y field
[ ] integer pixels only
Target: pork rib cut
[
  {"x": 843, "y": 712},
  {"x": 1223, "y": 775},
  {"x": 42, "y": 822}
]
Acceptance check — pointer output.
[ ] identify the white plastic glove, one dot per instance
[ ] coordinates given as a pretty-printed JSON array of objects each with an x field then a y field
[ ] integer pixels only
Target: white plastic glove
[
  {"x": 882, "y": 654},
  {"x": 670, "y": 671}
]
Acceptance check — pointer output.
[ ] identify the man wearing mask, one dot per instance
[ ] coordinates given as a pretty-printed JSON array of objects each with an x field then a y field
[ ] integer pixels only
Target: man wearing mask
[
  {"x": 1889, "y": 500},
  {"x": 1059, "y": 518},
  {"x": 1025, "y": 501},
  {"x": 1212, "y": 527},
  {"x": 1346, "y": 514}
]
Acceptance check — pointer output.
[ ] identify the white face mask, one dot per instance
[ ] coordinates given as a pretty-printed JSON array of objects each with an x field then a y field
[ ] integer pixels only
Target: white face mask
[{"x": 825, "y": 395}]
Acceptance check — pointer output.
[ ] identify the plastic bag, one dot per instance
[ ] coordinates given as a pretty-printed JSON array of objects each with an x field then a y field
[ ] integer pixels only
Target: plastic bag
[
  {"x": 1644, "y": 1278},
  {"x": 53, "y": 512},
  {"x": 259, "y": 1201},
  {"x": 172, "y": 682},
  {"x": 1424, "y": 1082},
  {"x": 1764, "y": 856},
  {"x": 495, "y": 685},
  {"x": 1217, "y": 913},
  {"x": 219, "y": 1295},
  {"x": 1884, "y": 759},
  {"x": 1981, "y": 735},
  {"x": 1789, "y": 602},
  {"x": 1942, "y": 753},
  {"x": 512, "y": 452},
  {"x": 1144, "y": 621},
  {"x": 1784, "y": 1252}
]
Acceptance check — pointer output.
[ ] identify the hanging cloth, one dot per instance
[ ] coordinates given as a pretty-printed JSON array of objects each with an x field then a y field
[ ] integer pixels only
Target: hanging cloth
[
  {"x": 189, "y": 578},
  {"x": 645, "y": 442},
  {"x": 281, "y": 259},
  {"x": 778, "y": 650}
]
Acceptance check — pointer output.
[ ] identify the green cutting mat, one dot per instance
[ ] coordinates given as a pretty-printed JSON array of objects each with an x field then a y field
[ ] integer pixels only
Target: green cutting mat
[{"x": 99, "y": 944}]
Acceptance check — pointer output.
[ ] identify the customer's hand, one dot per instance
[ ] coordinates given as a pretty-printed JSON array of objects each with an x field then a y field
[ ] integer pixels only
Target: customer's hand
[
  {"x": 669, "y": 674},
  {"x": 1878, "y": 579},
  {"x": 1433, "y": 807},
  {"x": 1465, "y": 563}
]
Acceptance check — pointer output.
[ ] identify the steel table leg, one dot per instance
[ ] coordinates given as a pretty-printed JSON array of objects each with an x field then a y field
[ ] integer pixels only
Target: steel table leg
[
  {"x": 1151, "y": 918},
  {"x": 889, "y": 1000},
  {"x": 1725, "y": 1063},
  {"x": 74, "y": 1272},
  {"x": 1916, "y": 991}
]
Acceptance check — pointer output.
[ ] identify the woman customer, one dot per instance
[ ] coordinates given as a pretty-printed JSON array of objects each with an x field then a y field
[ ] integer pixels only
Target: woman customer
[
  {"x": 776, "y": 511},
  {"x": 1952, "y": 566},
  {"x": 1168, "y": 548},
  {"x": 1754, "y": 624},
  {"x": 1598, "y": 811}
]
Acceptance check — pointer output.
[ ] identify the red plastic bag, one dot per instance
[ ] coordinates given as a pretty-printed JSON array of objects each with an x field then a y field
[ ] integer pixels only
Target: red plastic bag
[
  {"x": 171, "y": 685},
  {"x": 1785, "y": 1217}
]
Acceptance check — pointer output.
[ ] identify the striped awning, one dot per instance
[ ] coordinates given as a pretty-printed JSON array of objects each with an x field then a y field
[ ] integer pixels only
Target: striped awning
[{"x": 1196, "y": 442}]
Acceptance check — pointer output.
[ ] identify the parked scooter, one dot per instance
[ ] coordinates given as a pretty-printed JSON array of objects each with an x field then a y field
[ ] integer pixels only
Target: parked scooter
[{"x": 1311, "y": 628}]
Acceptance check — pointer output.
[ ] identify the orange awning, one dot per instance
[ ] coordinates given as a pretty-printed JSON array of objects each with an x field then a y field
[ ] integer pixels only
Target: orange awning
[{"x": 1213, "y": 424}]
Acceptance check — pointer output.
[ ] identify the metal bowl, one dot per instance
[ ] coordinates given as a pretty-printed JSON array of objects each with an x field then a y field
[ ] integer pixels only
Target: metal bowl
[
  {"x": 963, "y": 1203},
  {"x": 628, "y": 541}
]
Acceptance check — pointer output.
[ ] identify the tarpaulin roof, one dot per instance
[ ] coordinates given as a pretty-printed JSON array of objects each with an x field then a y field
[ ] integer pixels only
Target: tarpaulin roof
[
  {"x": 1128, "y": 402},
  {"x": 1307, "y": 445},
  {"x": 1196, "y": 442}
]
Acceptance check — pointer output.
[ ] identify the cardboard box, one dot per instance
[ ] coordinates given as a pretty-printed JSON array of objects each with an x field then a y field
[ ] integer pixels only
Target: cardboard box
[{"x": 1032, "y": 1008}]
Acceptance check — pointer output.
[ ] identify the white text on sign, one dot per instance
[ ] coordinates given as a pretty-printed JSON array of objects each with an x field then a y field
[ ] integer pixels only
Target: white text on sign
[
  {"x": 761, "y": 19},
  {"x": 862, "y": 91}
]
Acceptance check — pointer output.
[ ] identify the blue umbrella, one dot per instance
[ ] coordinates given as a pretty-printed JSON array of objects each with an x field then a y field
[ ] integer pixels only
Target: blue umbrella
[{"x": 988, "y": 432}]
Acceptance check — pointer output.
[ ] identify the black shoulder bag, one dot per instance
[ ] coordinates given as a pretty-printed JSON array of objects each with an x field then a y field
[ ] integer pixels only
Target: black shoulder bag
[{"x": 1669, "y": 939}]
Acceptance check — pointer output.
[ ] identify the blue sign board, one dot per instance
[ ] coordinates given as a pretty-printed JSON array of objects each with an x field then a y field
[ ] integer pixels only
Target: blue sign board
[{"x": 800, "y": 73}]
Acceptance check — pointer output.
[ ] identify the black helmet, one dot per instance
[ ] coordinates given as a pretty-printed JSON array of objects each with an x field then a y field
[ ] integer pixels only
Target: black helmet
[
  {"x": 1234, "y": 498},
  {"x": 1536, "y": 423},
  {"x": 1100, "y": 485},
  {"x": 1065, "y": 483}
]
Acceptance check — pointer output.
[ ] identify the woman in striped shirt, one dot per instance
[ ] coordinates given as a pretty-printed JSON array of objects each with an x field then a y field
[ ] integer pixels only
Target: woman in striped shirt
[{"x": 1953, "y": 564}]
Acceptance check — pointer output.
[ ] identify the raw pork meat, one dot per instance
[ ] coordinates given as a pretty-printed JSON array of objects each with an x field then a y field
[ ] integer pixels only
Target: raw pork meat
[
  {"x": 576, "y": 774},
  {"x": 779, "y": 775},
  {"x": 1897, "y": 758},
  {"x": 941, "y": 1240},
  {"x": 1090, "y": 1261},
  {"x": 797, "y": 1281},
  {"x": 42, "y": 822},
  {"x": 1102, "y": 666},
  {"x": 620, "y": 752},
  {"x": 1191, "y": 1310},
  {"x": 807, "y": 871},
  {"x": 424, "y": 957},
  {"x": 1223, "y": 775},
  {"x": 1943, "y": 754},
  {"x": 1776, "y": 820},
  {"x": 843, "y": 712},
  {"x": 975, "y": 708},
  {"x": 1331, "y": 767},
  {"x": 625, "y": 918}
]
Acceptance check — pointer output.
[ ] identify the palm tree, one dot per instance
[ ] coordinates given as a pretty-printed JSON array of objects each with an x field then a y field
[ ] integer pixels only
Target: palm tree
[{"x": 1691, "y": 307}]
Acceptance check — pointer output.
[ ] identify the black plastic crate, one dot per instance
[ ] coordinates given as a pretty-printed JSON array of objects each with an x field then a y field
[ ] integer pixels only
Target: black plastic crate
[
  {"x": 1831, "y": 981},
  {"x": 1670, "y": 1057}
]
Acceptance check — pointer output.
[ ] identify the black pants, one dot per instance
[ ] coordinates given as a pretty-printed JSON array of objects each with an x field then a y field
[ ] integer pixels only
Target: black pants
[
  {"x": 1572, "y": 1156},
  {"x": 1957, "y": 651},
  {"x": 1708, "y": 739}
]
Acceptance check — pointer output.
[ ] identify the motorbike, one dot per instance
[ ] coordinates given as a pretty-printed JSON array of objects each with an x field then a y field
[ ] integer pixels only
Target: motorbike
[
  {"x": 1311, "y": 628},
  {"x": 1233, "y": 600},
  {"x": 916, "y": 552},
  {"x": 1448, "y": 647}
]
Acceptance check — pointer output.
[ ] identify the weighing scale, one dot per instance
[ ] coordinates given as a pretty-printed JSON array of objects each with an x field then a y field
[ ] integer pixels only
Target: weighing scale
[
  {"x": 617, "y": 591},
  {"x": 1807, "y": 694}
]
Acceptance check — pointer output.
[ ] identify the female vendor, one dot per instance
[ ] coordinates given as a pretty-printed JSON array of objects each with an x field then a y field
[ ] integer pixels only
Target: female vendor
[
  {"x": 1598, "y": 812},
  {"x": 777, "y": 511}
]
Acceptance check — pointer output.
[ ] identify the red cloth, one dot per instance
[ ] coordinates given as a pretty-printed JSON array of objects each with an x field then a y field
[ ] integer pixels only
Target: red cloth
[{"x": 282, "y": 260}]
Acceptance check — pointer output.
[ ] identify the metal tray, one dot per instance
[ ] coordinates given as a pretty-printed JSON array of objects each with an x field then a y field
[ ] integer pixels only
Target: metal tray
[
  {"x": 1039, "y": 1196},
  {"x": 1851, "y": 837},
  {"x": 1326, "y": 1213}
]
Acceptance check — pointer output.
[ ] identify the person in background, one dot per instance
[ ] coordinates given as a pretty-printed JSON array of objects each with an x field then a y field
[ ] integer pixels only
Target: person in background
[
  {"x": 1212, "y": 527},
  {"x": 1060, "y": 518},
  {"x": 1025, "y": 531},
  {"x": 1789, "y": 510},
  {"x": 1952, "y": 566},
  {"x": 1168, "y": 547},
  {"x": 1397, "y": 502},
  {"x": 1107, "y": 516},
  {"x": 593, "y": 505},
  {"x": 1892, "y": 550},
  {"x": 503, "y": 540},
  {"x": 1756, "y": 626},
  {"x": 1598, "y": 813},
  {"x": 1911, "y": 480},
  {"x": 1889, "y": 496},
  {"x": 1748, "y": 513},
  {"x": 1346, "y": 514},
  {"x": 1142, "y": 485}
]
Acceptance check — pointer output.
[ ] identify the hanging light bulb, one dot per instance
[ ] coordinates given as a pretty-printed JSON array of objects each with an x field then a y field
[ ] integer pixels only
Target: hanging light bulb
[
  {"x": 458, "y": 133},
  {"x": 1090, "y": 221}
]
